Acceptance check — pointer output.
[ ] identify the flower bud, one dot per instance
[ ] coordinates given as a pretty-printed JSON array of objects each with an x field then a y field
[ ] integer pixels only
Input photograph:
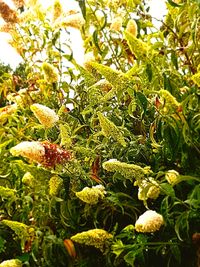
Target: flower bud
[
  {"x": 132, "y": 27},
  {"x": 28, "y": 179},
  {"x": 172, "y": 177}
]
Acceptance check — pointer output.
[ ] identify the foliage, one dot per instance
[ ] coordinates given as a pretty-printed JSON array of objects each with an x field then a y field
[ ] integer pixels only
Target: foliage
[{"x": 87, "y": 150}]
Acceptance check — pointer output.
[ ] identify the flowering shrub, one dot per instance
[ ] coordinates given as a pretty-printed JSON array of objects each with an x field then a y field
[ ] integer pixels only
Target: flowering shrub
[{"x": 99, "y": 158}]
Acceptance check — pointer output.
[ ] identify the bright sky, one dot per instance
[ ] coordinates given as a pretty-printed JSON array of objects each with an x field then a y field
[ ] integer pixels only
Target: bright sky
[{"x": 10, "y": 56}]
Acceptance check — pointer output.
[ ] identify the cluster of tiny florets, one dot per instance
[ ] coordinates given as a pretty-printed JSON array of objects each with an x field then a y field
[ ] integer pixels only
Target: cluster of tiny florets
[
  {"x": 129, "y": 171},
  {"x": 45, "y": 115},
  {"x": 9, "y": 15},
  {"x": 149, "y": 222},
  {"x": 109, "y": 129},
  {"x": 93, "y": 237},
  {"x": 55, "y": 184},
  {"x": 147, "y": 189},
  {"x": 92, "y": 195},
  {"x": 11, "y": 263},
  {"x": 54, "y": 154},
  {"x": 73, "y": 19}
]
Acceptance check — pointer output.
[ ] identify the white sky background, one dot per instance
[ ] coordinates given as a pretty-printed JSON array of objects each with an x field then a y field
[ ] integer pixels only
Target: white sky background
[{"x": 8, "y": 54}]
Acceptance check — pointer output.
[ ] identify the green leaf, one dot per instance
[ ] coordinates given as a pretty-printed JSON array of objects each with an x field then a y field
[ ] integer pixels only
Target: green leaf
[
  {"x": 143, "y": 102},
  {"x": 82, "y": 7},
  {"x": 118, "y": 248},
  {"x": 167, "y": 189},
  {"x": 173, "y": 3},
  {"x": 175, "y": 250},
  {"x": 130, "y": 257},
  {"x": 2, "y": 244},
  {"x": 149, "y": 72},
  {"x": 95, "y": 39},
  {"x": 174, "y": 59},
  {"x": 182, "y": 225}
]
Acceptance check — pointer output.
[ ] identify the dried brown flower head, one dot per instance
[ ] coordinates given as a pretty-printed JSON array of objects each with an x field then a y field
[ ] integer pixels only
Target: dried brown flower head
[{"x": 9, "y": 15}]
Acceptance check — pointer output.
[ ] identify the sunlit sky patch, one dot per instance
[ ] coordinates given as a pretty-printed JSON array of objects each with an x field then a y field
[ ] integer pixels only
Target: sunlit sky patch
[{"x": 8, "y": 54}]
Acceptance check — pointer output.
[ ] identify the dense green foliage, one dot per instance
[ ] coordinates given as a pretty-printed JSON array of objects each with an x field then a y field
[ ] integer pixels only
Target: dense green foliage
[{"x": 124, "y": 137}]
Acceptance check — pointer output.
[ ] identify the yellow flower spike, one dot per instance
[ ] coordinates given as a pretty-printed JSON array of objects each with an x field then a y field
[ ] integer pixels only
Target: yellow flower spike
[
  {"x": 57, "y": 10},
  {"x": 139, "y": 48},
  {"x": 73, "y": 19},
  {"x": 6, "y": 192},
  {"x": 46, "y": 116},
  {"x": 132, "y": 27},
  {"x": 92, "y": 195},
  {"x": 20, "y": 229},
  {"x": 93, "y": 237},
  {"x": 11, "y": 263},
  {"x": 109, "y": 129},
  {"x": 149, "y": 222},
  {"x": 129, "y": 171},
  {"x": 196, "y": 78},
  {"x": 55, "y": 184},
  {"x": 50, "y": 72}
]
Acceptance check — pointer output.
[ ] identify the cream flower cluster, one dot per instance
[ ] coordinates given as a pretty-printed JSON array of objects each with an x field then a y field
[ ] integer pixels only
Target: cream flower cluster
[
  {"x": 32, "y": 150},
  {"x": 148, "y": 189},
  {"x": 130, "y": 171},
  {"x": 45, "y": 115},
  {"x": 172, "y": 177},
  {"x": 149, "y": 222},
  {"x": 93, "y": 237},
  {"x": 92, "y": 195},
  {"x": 11, "y": 263}
]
